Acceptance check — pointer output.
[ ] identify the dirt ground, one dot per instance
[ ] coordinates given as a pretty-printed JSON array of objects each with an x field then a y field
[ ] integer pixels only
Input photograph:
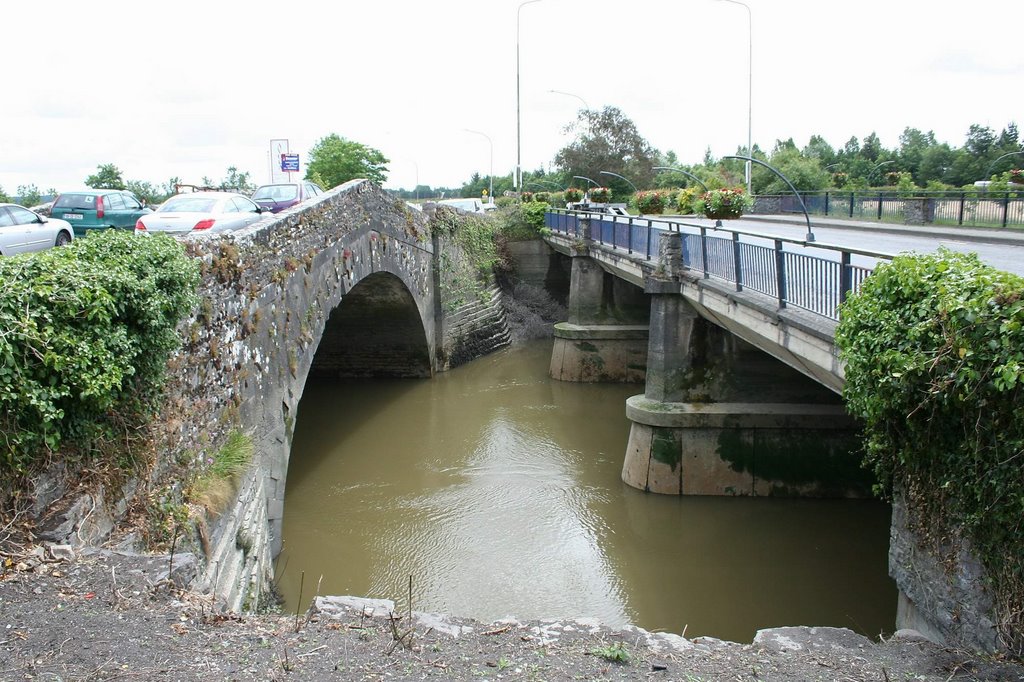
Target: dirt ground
[{"x": 101, "y": 615}]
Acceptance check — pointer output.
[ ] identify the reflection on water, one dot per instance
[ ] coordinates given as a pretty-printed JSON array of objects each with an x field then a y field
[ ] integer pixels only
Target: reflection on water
[{"x": 498, "y": 491}]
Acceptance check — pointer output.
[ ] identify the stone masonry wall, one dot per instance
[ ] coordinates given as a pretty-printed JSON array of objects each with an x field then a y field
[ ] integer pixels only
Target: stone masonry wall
[
  {"x": 942, "y": 597},
  {"x": 266, "y": 294}
]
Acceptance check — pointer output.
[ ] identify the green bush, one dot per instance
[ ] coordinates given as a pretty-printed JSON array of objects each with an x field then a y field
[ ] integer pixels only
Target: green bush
[
  {"x": 685, "y": 199},
  {"x": 934, "y": 351},
  {"x": 87, "y": 332},
  {"x": 521, "y": 222}
]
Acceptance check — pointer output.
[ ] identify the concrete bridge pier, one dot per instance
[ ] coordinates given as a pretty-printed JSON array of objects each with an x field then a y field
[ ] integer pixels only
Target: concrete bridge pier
[
  {"x": 605, "y": 337},
  {"x": 718, "y": 417}
]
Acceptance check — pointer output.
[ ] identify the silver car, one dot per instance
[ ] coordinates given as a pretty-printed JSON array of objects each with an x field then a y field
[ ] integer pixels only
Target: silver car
[
  {"x": 22, "y": 231},
  {"x": 201, "y": 212}
]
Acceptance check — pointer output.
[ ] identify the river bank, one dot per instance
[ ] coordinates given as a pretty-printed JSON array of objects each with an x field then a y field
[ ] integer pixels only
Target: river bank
[{"x": 102, "y": 615}]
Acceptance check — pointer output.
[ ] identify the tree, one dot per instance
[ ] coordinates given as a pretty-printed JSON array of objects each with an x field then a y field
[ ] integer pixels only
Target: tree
[
  {"x": 145, "y": 191},
  {"x": 28, "y": 195},
  {"x": 236, "y": 180},
  {"x": 107, "y": 177},
  {"x": 337, "y": 160},
  {"x": 608, "y": 140},
  {"x": 818, "y": 148},
  {"x": 805, "y": 174},
  {"x": 3, "y": 196},
  {"x": 871, "y": 148}
]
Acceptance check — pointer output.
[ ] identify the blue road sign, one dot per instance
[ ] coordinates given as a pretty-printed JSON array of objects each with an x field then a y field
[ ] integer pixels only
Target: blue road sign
[{"x": 290, "y": 163}]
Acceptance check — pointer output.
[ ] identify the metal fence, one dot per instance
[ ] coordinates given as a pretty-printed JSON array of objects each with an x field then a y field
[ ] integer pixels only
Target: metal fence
[
  {"x": 973, "y": 209},
  {"x": 814, "y": 278}
]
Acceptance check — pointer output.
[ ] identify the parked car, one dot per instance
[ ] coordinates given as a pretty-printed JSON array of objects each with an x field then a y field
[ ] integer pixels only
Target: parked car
[
  {"x": 469, "y": 205},
  {"x": 22, "y": 231},
  {"x": 281, "y": 196},
  {"x": 202, "y": 212},
  {"x": 98, "y": 209}
]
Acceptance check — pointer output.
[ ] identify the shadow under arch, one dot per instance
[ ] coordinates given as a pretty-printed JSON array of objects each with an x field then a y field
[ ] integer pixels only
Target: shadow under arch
[{"x": 375, "y": 331}]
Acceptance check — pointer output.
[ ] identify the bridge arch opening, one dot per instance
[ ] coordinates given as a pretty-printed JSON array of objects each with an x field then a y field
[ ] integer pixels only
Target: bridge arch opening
[{"x": 376, "y": 331}]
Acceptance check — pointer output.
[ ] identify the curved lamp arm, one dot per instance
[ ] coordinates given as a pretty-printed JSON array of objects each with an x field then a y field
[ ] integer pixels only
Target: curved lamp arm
[
  {"x": 680, "y": 170},
  {"x": 810, "y": 234},
  {"x": 620, "y": 178}
]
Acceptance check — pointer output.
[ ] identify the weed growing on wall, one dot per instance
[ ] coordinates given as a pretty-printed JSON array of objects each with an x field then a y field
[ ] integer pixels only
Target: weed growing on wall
[
  {"x": 86, "y": 334},
  {"x": 934, "y": 351},
  {"x": 469, "y": 269},
  {"x": 218, "y": 482}
]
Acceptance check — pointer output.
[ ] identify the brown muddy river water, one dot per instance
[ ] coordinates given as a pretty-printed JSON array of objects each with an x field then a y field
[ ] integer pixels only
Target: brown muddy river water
[{"x": 498, "y": 490}]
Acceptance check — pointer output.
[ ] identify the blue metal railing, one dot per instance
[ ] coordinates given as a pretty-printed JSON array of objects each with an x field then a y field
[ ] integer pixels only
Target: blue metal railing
[{"x": 817, "y": 277}]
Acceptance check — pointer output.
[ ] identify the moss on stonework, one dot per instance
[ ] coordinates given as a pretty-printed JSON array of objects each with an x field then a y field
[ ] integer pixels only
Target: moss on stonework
[
  {"x": 666, "y": 448},
  {"x": 586, "y": 347},
  {"x": 791, "y": 458}
]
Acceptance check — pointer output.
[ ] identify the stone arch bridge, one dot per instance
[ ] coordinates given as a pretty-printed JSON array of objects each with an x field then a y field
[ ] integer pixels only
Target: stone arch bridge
[{"x": 351, "y": 285}]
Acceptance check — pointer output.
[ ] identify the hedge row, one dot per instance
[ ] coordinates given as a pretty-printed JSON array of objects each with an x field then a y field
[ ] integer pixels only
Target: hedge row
[{"x": 85, "y": 334}]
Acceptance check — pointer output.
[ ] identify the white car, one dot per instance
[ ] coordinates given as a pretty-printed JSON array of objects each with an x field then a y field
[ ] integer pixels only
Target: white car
[
  {"x": 202, "y": 212},
  {"x": 469, "y": 205},
  {"x": 22, "y": 231}
]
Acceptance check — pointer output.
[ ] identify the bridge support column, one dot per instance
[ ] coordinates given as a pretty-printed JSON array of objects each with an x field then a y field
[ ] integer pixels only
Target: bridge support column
[
  {"x": 701, "y": 428},
  {"x": 605, "y": 338}
]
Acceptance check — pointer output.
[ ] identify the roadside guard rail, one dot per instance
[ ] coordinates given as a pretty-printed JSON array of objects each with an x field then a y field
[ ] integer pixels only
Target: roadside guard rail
[
  {"x": 974, "y": 209},
  {"x": 809, "y": 275}
]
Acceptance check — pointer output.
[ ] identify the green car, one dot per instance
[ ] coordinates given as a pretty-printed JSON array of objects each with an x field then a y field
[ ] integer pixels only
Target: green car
[{"x": 98, "y": 209}]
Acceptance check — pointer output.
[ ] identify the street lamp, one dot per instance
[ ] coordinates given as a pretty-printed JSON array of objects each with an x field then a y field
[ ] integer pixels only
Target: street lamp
[
  {"x": 687, "y": 174},
  {"x": 569, "y": 94},
  {"x": 544, "y": 182},
  {"x": 750, "y": 83},
  {"x": 988, "y": 173},
  {"x": 583, "y": 177},
  {"x": 810, "y": 235},
  {"x": 490, "y": 173},
  {"x": 884, "y": 163},
  {"x": 519, "y": 165},
  {"x": 635, "y": 190}
]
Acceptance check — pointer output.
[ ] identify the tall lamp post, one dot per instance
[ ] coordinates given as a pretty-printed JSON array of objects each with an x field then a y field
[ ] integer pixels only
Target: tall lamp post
[
  {"x": 750, "y": 84},
  {"x": 490, "y": 172},
  {"x": 519, "y": 165}
]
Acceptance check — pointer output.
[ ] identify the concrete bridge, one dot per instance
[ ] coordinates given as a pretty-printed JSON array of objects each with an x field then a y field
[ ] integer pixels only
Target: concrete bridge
[{"x": 717, "y": 415}]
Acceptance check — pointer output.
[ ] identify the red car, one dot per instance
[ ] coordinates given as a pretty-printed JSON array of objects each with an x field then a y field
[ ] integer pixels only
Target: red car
[{"x": 282, "y": 196}]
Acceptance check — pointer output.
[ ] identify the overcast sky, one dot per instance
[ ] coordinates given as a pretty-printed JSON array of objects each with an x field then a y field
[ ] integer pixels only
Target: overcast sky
[{"x": 188, "y": 88}]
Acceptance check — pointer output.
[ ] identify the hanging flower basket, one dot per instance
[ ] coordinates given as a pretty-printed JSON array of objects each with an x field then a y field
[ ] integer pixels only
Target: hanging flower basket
[
  {"x": 573, "y": 194},
  {"x": 600, "y": 195},
  {"x": 650, "y": 201},
  {"x": 1017, "y": 176},
  {"x": 723, "y": 204}
]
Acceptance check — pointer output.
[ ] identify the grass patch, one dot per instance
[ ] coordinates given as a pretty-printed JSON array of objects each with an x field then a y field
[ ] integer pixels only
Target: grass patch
[{"x": 218, "y": 483}]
